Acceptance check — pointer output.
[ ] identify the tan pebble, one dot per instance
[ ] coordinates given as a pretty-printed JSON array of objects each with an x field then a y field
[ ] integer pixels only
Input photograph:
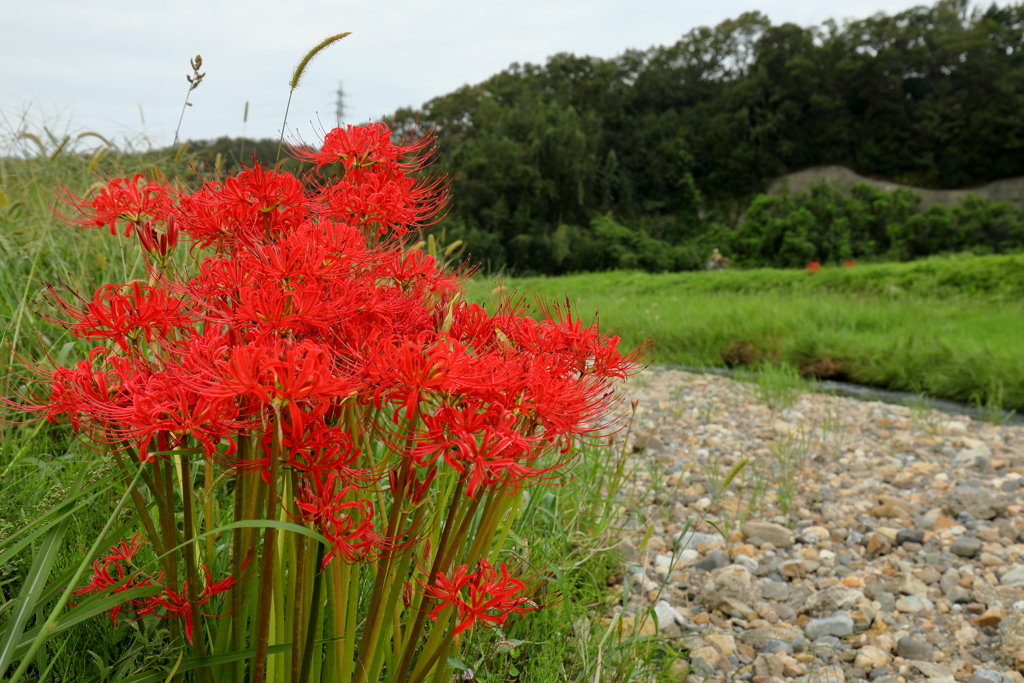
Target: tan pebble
[
  {"x": 990, "y": 560},
  {"x": 852, "y": 582},
  {"x": 870, "y": 657},
  {"x": 889, "y": 533},
  {"x": 878, "y": 544},
  {"x": 991, "y": 617},
  {"x": 943, "y": 523},
  {"x": 997, "y": 463},
  {"x": 804, "y": 657},
  {"x": 744, "y": 549}
]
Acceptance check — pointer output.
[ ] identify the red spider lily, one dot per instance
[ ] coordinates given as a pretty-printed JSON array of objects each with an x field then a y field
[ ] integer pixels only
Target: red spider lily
[
  {"x": 813, "y": 267},
  {"x": 362, "y": 149},
  {"x": 258, "y": 205},
  {"x": 177, "y": 605},
  {"x": 482, "y": 445},
  {"x": 122, "y": 199},
  {"x": 124, "y": 313},
  {"x": 490, "y": 596},
  {"x": 347, "y": 524},
  {"x": 849, "y": 264},
  {"x": 110, "y": 573}
]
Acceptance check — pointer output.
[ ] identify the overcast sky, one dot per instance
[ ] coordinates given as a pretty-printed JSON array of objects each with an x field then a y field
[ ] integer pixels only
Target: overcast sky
[{"x": 78, "y": 66}]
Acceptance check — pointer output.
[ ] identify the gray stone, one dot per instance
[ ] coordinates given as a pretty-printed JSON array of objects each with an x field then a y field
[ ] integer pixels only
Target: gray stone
[
  {"x": 694, "y": 539},
  {"x": 775, "y": 590},
  {"x": 949, "y": 581},
  {"x": 829, "y": 642},
  {"x": 839, "y": 625},
  {"x": 960, "y": 596},
  {"x": 887, "y": 600},
  {"x": 981, "y": 502},
  {"x": 968, "y": 546},
  {"x": 910, "y": 536},
  {"x": 911, "y": 648},
  {"x": 748, "y": 563},
  {"x": 728, "y": 585},
  {"x": 1014, "y": 577},
  {"x": 833, "y": 599},
  {"x": 667, "y": 614},
  {"x": 774, "y": 647},
  {"x": 716, "y": 559},
  {"x": 910, "y": 604},
  {"x": 776, "y": 534},
  {"x": 986, "y": 676}
]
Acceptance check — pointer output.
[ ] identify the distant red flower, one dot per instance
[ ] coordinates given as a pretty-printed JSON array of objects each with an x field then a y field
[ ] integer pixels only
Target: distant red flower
[
  {"x": 849, "y": 264},
  {"x": 813, "y": 267}
]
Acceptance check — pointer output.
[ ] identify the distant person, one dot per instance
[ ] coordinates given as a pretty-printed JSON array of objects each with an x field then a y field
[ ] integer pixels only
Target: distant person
[{"x": 717, "y": 261}]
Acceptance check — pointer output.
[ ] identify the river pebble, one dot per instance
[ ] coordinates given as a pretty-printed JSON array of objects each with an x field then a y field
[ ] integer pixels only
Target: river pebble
[{"x": 856, "y": 541}]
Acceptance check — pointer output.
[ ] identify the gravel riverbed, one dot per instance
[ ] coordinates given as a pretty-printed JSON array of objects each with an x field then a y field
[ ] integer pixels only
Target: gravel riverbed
[{"x": 862, "y": 541}]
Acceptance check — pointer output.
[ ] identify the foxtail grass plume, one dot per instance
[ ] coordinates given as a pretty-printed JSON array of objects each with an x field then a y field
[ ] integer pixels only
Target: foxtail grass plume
[{"x": 298, "y": 73}]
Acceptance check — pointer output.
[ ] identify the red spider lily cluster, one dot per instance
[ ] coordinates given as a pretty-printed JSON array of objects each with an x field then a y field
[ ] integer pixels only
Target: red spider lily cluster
[
  {"x": 487, "y": 596},
  {"x": 113, "y": 573},
  {"x": 302, "y": 347},
  {"x": 813, "y": 267}
]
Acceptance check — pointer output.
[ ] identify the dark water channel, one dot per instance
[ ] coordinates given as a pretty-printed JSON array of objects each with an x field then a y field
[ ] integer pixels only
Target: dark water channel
[{"x": 864, "y": 393}]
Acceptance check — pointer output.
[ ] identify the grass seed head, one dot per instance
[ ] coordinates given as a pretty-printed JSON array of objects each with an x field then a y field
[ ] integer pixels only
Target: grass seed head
[{"x": 300, "y": 68}]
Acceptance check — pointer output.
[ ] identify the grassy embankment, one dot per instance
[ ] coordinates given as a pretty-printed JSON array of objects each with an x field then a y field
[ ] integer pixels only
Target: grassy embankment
[{"x": 946, "y": 327}]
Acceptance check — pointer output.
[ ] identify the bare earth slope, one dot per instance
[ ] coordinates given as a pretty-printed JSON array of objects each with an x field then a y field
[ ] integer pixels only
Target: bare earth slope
[
  {"x": 1007, "y": 190},
  {"x": 900, "y": 558}
]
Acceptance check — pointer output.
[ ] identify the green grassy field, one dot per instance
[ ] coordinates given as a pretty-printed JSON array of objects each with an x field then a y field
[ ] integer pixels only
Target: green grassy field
[{"x": 946, "y": 327}]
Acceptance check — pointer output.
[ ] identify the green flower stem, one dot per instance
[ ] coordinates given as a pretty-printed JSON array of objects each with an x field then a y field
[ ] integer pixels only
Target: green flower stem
[
  {"x": 259, "y": 672},
  {"x": 413, "y": 633},
  {"x": 497, "y": 503},
  {"x": 191, "y": 567},
  {"x": 142, "y": 509},
  {"x": 434, "y": 657},
  {"x": 513, "y": 511},
  {"x": 351, "y": 621},
  {"x": 296, "y": 588},
  {"x": 314, "y": 614},
  {"x": 397, "y": 584},
  {"x": 396, "y": 518},
  {"x": 237, "y": 594}
]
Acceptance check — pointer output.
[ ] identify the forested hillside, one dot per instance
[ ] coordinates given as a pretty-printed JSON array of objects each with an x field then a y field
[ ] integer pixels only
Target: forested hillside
[{"x": 587, "y": 163}]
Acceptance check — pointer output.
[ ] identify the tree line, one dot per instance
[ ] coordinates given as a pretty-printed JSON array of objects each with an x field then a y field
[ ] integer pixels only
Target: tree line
[
  {"x": 652, "y": 158},
  {"x": 672, "y": 145}
]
